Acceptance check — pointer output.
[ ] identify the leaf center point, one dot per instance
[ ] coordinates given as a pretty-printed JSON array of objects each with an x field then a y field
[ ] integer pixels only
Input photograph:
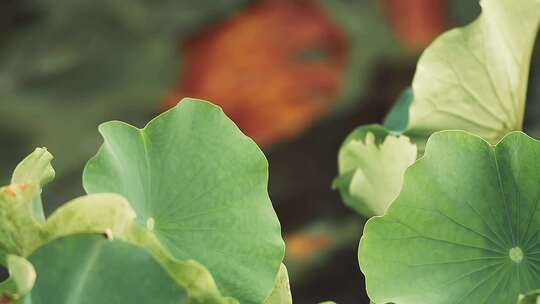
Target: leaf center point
[{"x": 516, "y": 254}]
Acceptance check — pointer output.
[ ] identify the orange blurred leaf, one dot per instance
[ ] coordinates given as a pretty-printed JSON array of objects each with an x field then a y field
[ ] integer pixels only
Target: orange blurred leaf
[{"x": 275, "y": 68}]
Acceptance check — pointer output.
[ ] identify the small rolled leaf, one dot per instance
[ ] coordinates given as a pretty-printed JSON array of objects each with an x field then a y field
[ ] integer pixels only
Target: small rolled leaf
[{"x": 36, "y": 168}]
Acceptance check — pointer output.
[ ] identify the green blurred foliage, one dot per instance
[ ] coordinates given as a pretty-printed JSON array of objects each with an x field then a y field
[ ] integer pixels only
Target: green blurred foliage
[
  {"x": 66, "y": 66},
  {"x": 371, "y": 41},
  {"x": 74, "y": 64}
]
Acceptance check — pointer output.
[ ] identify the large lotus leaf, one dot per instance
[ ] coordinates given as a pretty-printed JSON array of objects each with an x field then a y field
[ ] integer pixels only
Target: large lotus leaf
[
  {"x": 475, "y": 78},
  {"x": 281, "y": 294},
  {"x": 371, "y": 167},
  {"x": 22, "y": 277},
  {"x": 92, "y": 269},
  {"x": 464, "y": 228},
  {"x": 200, "y": 187}
]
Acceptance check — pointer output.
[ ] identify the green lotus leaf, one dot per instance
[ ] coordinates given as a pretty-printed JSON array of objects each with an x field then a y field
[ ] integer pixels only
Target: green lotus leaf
[
  {"x": 92, "y": 269},
  {"x": 282, "y": 289},
  {"x": 474, "y": 78},
  {"x": 200, "y": 187},
  {"x": 531, "y": 297},
  {"x": 103, "y": 213},
  {"x": 21, "y": 278},
  {"x": 369, "y": 156},
  {"x": 36, "y": 168},
  {"x": 464, "y": 228}
]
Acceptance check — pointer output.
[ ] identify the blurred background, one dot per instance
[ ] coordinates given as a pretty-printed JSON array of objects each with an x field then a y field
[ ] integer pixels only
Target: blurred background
[{"x": 295, "y": 75}]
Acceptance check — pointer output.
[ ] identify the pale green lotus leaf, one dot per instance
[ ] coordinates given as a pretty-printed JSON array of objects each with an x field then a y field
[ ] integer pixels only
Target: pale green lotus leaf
[
  {"x": 371, "y": 167},
  {"x": 464, "y": 228},
  {"x": 200, "y": 187},
  {"x": 281, "y": 294},
  {"x": 21, "y": 278},
  {"x": 474, "y": 78}
]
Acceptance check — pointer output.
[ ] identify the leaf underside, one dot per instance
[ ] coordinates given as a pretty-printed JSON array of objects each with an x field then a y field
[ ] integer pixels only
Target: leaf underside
[{"x": 475, "y": 78}]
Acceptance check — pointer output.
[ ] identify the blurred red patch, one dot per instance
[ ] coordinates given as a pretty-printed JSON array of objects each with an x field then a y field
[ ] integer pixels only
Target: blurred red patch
[{"x": 275, "y": 68}]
